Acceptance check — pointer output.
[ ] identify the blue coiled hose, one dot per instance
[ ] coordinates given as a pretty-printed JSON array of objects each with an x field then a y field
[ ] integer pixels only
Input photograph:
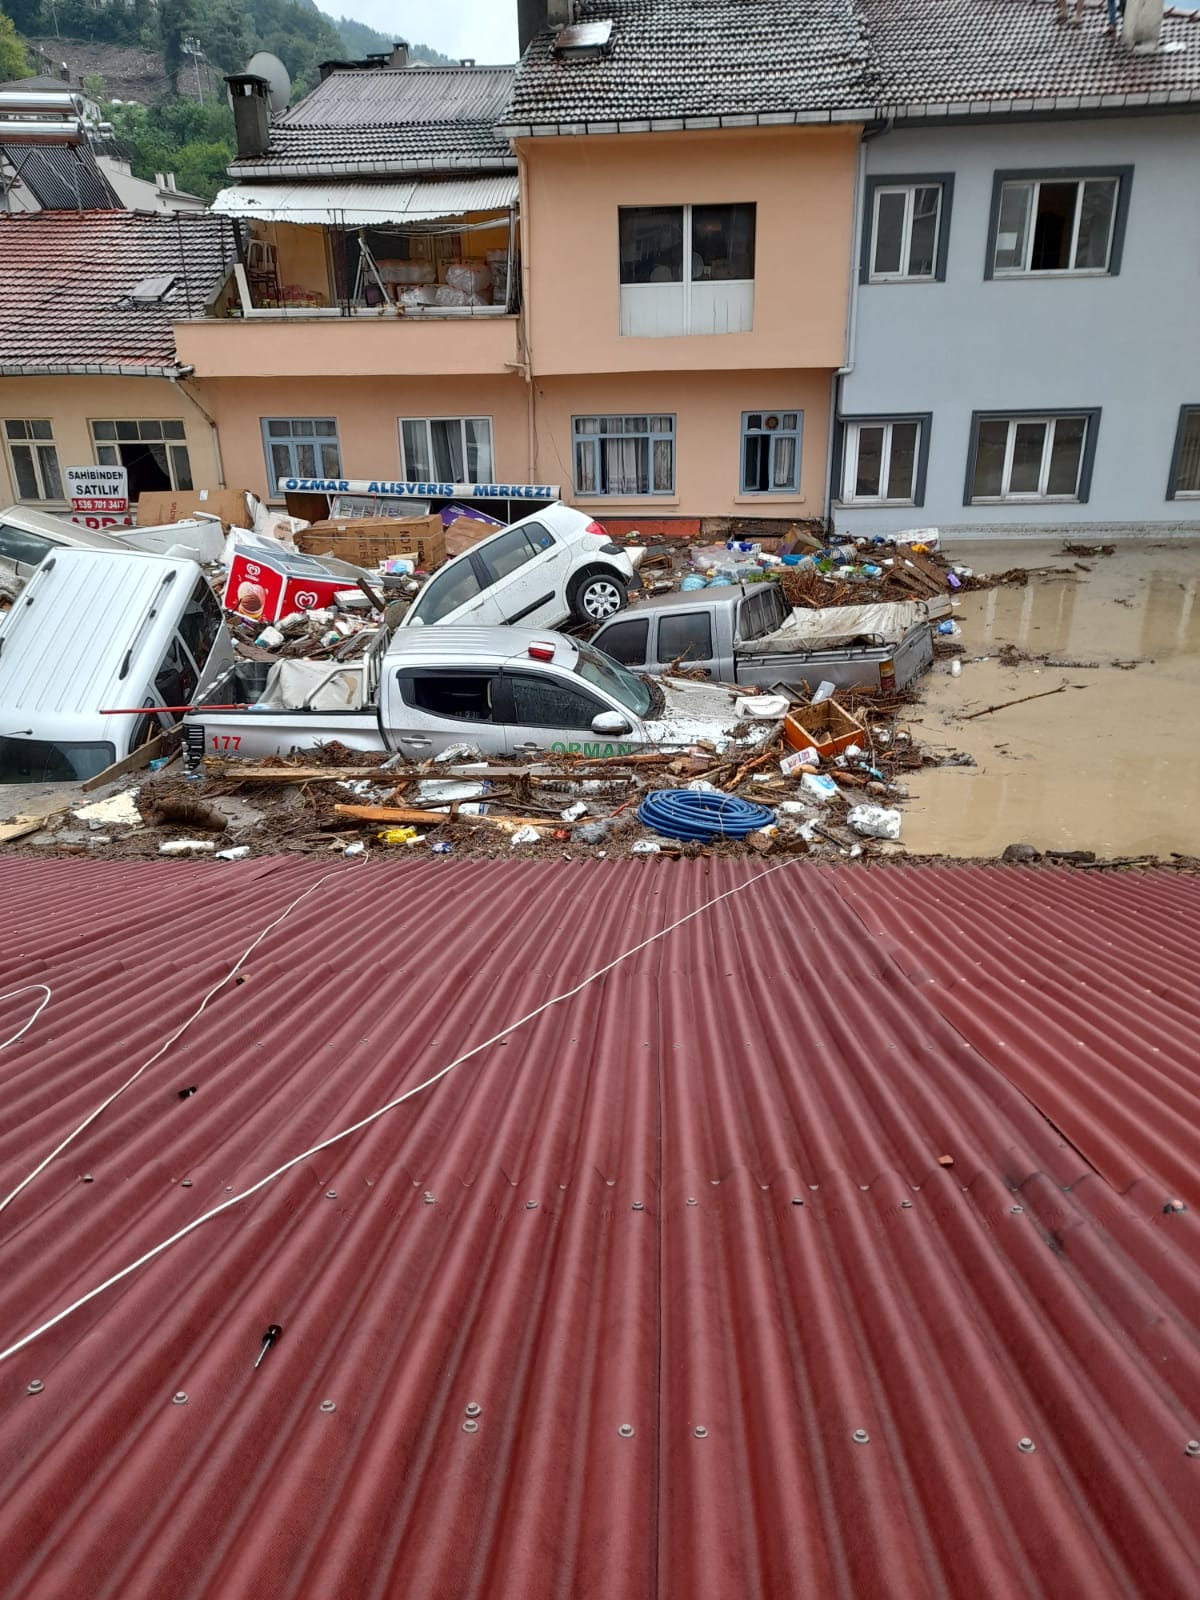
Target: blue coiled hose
[{"x": 700, "y": 814}]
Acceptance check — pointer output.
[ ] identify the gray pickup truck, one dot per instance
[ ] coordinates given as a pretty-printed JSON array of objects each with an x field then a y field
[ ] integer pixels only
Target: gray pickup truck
[{"x": 748, "y": 634}]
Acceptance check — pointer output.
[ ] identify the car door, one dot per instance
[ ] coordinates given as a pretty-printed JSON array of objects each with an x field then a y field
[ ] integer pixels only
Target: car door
[
  {"x": 543, "y": 711},
  {"x": 625, "y": 641},
  {"x": 686, "y": 637},
  {"x": 442, "y": 706},
  {"x": 525, "y": 568}
]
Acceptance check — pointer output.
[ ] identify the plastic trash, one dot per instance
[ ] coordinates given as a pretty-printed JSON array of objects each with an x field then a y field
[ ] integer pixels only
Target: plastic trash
[
  {"x": 399, "y": 836},
  {"x": 238, "y": 852},
  {"x": 441, "y": 847},
  {"x": 702, "y": 786},
  {"x": 186, "y": 847},
  {"x": 799, "y": 761},
  {"x": 953, "y": 579},
  {"x": 874, "y": 822},
  {"x": 646, "y": 847},
  {"x": 526, "y": 836},
  {"x": 269, "y": 639},
  {"x": 949, "y": 629},
  {"x": 824, "y": 690},
  {"x": 819, "y": 786},
  {"x": 761, "y": 705},
  {"x": 460, "y": 752},
  {"x": 358, "y": 848},
  {"x": 443, "y": 789},
  {"x": 593, "y": 832},
  {"x": 574, "y": 812},
  {"x": 956, "y": 668},
  {"x": 694, "y": 580},
  {"x": 159, "y": 763}
]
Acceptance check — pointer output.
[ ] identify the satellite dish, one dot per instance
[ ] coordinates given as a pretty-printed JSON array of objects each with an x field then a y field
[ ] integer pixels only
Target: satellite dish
[{"x": 264, "y": 65}]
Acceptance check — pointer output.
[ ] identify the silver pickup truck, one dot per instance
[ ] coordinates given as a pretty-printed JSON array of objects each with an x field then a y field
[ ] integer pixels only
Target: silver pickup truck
[
  {"x": 747, "y": 634},
  {"x": 507, "y": 691}
]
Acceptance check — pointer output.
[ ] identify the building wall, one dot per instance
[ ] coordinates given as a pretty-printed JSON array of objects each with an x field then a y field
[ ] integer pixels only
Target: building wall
[
  {"x": 1128, "y": 344},
  {"x": 71, "y": 403},
  {"x": 802, "y": 182}
]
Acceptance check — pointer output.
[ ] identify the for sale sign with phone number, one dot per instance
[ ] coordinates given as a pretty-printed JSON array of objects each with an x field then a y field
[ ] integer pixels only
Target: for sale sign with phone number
[{"x": 99, "y": 496}]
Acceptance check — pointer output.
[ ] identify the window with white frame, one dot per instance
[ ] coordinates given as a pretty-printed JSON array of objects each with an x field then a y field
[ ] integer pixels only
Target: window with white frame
[
  {"x": 624, "y": 456},
  {"x": 771, "y": 451},
  {"x": 905, "y": 234},
  {"x": 34, "y": 460},
  {"x": 1185, "y": 467},
  {"x": 300, "y": 447},
  {"x": 446, "y": 449},
  {"x": 686, "y": 269},
  {"x": 1032, "y": 457},
  {"x": 882, "y": 461},
  {"x": 153, "y": 452},
  {"x": 1058, "y": 223}
]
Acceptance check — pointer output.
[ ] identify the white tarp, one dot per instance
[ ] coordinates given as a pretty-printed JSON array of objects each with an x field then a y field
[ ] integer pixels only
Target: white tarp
[
  {"x": 832, "y": 627},
  {"x": 318, "y": 685},
  {"x": 361, "y": 203}
]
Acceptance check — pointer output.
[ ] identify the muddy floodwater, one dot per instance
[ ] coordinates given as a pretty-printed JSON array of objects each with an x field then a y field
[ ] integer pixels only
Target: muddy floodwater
[{"x": 1111, "y": 764}]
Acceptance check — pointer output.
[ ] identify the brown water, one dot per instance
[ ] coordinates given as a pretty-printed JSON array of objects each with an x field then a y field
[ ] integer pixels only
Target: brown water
[{"x": 1111, "y": 766}]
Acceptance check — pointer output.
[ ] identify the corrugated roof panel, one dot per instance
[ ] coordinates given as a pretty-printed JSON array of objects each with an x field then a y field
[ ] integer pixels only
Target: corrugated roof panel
[
  {"x": 351, "y": 204},
  {"x": 740, "y": 1270},
  {"x": 403, "y": 95}
]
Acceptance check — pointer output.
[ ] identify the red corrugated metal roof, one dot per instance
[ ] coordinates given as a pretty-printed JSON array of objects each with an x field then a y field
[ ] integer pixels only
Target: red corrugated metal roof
[{"x": 685, "y": 1239}]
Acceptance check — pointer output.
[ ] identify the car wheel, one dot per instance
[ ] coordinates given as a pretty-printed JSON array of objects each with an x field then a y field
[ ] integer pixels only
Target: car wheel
[{"x": 598, "y": 597}]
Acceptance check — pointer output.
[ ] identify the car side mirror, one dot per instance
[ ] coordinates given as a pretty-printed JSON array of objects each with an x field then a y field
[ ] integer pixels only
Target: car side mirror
[{"x": 611, "y": 723}]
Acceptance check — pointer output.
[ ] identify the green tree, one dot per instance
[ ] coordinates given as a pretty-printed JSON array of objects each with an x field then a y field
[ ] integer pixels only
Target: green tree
[
  {"x": 177, "y": 22},
  {"x": 13, "y": 61},
  {"x": 93, "y": 85},
  {"x": 27, "y": 16}
]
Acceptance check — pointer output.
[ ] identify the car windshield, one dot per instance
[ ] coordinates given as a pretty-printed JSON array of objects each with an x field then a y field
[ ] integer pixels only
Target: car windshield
[
  {"x": 614, "y": 679},
  {"x": 452, "y": 587},
  {"x": 39, "y": 761}
]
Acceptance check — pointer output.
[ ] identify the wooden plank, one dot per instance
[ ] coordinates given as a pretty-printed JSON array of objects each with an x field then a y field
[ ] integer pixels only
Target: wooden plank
[
  {"x": 163, "y": 744},
  {"x": 437, "y": 819},
  {"x": 22, "y": 826}
]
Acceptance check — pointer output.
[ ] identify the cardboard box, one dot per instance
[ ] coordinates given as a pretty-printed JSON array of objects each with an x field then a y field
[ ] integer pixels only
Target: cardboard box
[
  {"x": 156, "y": 506},
  {"x": 367, "y": 541},
  {"x": 264, "y": 585},
  {"x": 466, "y": 532}
]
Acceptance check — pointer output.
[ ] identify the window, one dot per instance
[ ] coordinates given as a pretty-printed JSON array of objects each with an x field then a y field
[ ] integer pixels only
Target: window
[
  {"x": 595, "y": 667},
  {"x": 686, "y": 269},
  {"x": 907, "y": 231},
  {"x": 34, "y": 460},
  {"x": 453, "y": 587},
  {"x": 1185, "y": 464},
  {"x": 624, "y": 455},
  {"x": 1061, "y": 222},
  {"x": 771, "y": 452},
  {"x": 153, "y": 454},
  {"x": 464, "y": 695},
  {"x": 446, "y": 449},
  {"x": 685, "y": 638},
  {"x": 201, "y": 623},
  {"x": 547, "y": 703},
  {"x": 884, "y": 460},
  {"x": 625, "y": 642},
  {"x": 301, "y": 447},
  {"x": 26, "y": 549},
  {"x": 508, "y": 552},
  {"x": 1031, "y": 457}
]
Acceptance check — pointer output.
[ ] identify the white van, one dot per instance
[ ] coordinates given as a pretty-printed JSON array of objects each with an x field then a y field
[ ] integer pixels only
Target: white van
[
  {"x": 27, "y": 537},
  {"x": 93, "y": 633}
]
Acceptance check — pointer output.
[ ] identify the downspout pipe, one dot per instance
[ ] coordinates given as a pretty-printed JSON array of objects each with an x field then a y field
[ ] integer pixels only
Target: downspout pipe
[
  {"x": 180, "y": 382},
  {"x": 874, "y": 131}
]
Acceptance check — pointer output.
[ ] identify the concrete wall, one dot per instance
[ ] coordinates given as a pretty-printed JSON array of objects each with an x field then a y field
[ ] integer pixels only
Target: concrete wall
[
  {"x": 70, "y": 403},
  {"x": 1129, "y": 344}
]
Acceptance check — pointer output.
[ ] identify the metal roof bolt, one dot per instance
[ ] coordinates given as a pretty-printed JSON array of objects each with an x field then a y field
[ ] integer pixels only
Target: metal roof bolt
[
  {"x": 430, "y": 1199},
  {"x": 1017, "y": 1211},
  {"x": 470, "y": 1426},
  {"x": 531, "y": 1205},
  {"x": 179, "y": 1398},
  {"x": 472, "y": 1408},
  {"x": 1191, "y": 1448},
  {"x": 639, "y": 1205},
  {"x": 1174, "y": 1205},
  {"x": 626, "y": 1430},
  {"x": 906, "y": 1205},
  {"x": 701, "y": 1432},
  {"x": 331, "y": 1194},
  {"x": 87, "y": 1178},
  {"x": 861, "y": 1436},
  {"x": 797, "y": 1200},
  {"x": 36, "y": 1386},
  {"x": 328, "y": 1405},
  {"x": 186, "y": 1184},
  {"x": 1027, "y": 1445},
  {"x": 691, "y": 1200}
]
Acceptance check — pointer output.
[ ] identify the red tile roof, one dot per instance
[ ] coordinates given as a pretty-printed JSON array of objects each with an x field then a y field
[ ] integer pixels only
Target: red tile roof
[
  {"x": 817, "y": 1248},
  {"x": 65, "y": 279}
]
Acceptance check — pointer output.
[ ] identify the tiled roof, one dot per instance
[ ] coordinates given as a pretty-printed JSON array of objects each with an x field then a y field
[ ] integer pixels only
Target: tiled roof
[
  {"x": 391, "y": 120},
  {"x": 61, "y": 177},
  {"x": 840, "y": 1239},
  {"x": 809, "y": 60},
  {"x": 66, "y": 277}
]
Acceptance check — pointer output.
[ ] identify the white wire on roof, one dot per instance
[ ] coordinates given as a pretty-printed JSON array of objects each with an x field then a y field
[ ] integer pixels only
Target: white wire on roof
[{"x": 373, "y": 1116}]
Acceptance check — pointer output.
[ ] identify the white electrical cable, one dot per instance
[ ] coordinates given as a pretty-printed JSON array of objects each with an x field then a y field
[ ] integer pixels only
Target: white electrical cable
[
  {"x": 162, "y": 1049},
  {"x": 373, "y": 1116},
  {"x": 41, "y": 1006}
]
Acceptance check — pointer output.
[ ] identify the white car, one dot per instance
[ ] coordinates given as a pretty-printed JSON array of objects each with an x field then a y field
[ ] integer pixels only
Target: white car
[{"x": 540, "y": 571}]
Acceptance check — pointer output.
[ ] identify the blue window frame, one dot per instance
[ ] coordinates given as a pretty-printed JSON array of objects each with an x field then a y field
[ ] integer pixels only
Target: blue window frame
[
  {"x": 771, "y": 451},
  {"x": 624, "y": 457},
  {"x": 300, "y": 447}
]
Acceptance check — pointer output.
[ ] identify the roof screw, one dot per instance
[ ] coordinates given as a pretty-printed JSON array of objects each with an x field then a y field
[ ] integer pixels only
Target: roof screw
[
  {"x": 186, "y": 1184},
  {"x": 797, "y": 1200},
  {"x": 639, "y": 1205},
  {"x": 1017, "y": 1210},
  {"x": 691, "y": 1200},
  {"x": 36, "y": 1386},
  {"x": 626, "y": 1430},
  {"x": 1174, "y": 1205},
  {"x": 1191, "y": 1448},
  {"x": 331, "y": 1194},
  {"x": 472, "y": 1408},
  {"x": 906, "y": 1205},
  {"x": 531, "y": 1205},
  {"x": 701, "y": 1432},
  {"x": 470, "y": 1426},
  {"x": 328, "y": 1405},
  {"x": 430, "y": 1199},
  {"x": 179, "y": 1398},
  {"x": 87, "y": 1178},
  {"x": 1027, "y": 1445},
  {"x": 861, "y": 1436}
]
